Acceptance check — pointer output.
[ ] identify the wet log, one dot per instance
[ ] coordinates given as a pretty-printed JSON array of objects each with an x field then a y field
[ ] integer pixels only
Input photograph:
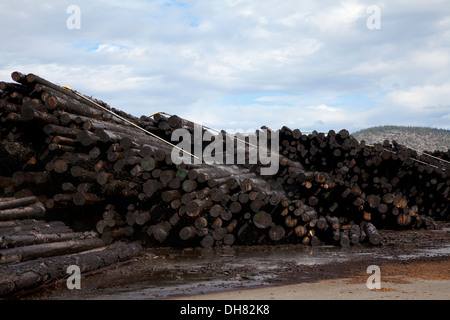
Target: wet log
[
  {"x": 14, "y": 255},
  {"x": 35, "y": 273},
  {"x": 187, "y": 233},
  {"x": 196, "y": 206},
  {"x": 372, "y": 234},
  {"x": 13, "y": 203},
  {"x": 26, "y": 239},
  {"x": 35, "y": 210},
  {"x": 355, "y": 234},
  {"x": 277, "y": 233},
  {"x": 262, "y": 220},
  {"x": 13, "y": 227},
  {"x": 160, "y": 231},
  {"x": 207, "y": 241}
]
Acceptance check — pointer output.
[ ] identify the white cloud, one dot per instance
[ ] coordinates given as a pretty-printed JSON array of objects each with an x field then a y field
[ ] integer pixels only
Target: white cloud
[
  {"x": 422, "y": 99},
  {"x": 301, "y": 61}
]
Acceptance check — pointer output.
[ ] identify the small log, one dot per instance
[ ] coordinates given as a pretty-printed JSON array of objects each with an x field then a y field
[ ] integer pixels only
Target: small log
[
  {"x": 187, "y": 233},
  {"x": 262, "y": 220},
  {"x": 277, "y": 233},
  {"x": 372, "y": 234},
  {"x": 196, "y": 206}
]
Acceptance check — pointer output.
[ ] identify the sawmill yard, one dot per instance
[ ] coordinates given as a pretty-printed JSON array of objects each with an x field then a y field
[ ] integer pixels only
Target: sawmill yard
[{"x": 88, "y": 186}]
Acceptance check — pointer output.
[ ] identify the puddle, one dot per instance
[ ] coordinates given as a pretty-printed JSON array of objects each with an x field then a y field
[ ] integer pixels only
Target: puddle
[
  {"x": 429, "y": 252},
  {"x": 160, "y": 273}
]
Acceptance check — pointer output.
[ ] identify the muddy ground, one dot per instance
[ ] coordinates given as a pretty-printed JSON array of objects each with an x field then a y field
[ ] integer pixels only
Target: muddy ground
[{"x": 165, "y": 273}]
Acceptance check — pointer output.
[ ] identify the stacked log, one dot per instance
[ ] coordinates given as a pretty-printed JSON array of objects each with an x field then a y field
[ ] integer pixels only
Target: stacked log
[
  {"x": 384, "y": 183},
  {"x": 76, "y": 157},
  {"x": 25, "y": 235}
]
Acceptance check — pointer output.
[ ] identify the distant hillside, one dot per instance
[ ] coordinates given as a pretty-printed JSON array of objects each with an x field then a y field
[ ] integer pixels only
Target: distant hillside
[{"x": 420, "y": 138}]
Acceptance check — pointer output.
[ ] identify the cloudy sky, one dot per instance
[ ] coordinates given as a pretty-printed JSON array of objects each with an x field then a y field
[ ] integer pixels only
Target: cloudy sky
[{"x": 237, "y": 64}]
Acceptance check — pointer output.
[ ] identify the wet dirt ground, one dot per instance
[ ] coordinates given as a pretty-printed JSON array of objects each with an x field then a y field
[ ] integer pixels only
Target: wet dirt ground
[{"x": 165, "y": 273}]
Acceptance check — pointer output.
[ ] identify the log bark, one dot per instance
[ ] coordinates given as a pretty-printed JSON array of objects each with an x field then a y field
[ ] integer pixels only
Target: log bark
[
  {"x": 26, "y": 239},
  {"x": 36, "y": 210},
  {"x": 13, "y": 203},
  {"x": 15, "y": 255},
  {"x": 372, "y": 234},
  {"x": 35, "y": 273}
]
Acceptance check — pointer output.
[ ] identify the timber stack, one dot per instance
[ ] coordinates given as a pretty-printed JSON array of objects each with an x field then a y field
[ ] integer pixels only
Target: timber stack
[
  {"x": 76, "y": 158},
  {"x": 35, "y": 251}
]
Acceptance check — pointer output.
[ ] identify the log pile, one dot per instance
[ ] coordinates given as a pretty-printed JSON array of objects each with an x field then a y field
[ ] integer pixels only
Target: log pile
[
  {"x": 25, "y": 235},
  {"x": 76, "y": 157},
  {"x": 34, "y": 251}
]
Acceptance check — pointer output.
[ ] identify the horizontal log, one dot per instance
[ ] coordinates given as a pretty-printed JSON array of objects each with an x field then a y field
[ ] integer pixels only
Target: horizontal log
[
  {"x": 17, "y": 202},
  {"x": 19, "y": 240},
  {"x": 35, "y": 273},
  {"x": 15, "y": 255},
  {"x": 36, "y": 210}
]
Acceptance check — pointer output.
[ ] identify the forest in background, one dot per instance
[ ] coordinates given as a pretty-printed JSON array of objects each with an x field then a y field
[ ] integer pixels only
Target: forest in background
[{"x": 421, "y": 138}]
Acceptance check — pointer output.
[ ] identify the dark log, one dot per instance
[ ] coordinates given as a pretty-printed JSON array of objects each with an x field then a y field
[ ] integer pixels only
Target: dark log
[
  {"x": 151, "y": 186},
  {"x": 333, "y": 222},
  {"x": 34, "y": 273},
  {"x": 13, "y": 203},
  {"x": 19, "y": 240},
  {"x": 87, "y": 138},
  {"x": 148, "y": 163},
  {"x": 196, "y": 206},
  {"x": 36, "y": 210},
  {"x": 309, "y": 215},
  {"x": 19, "y": 77},
  {"x": 142, "y": 218},
  {"x": 216, "y": 210},
  {"x": 218, "y": 193},
  {"x": 31, "y": 225},
  {"x": 322, "y": 223},
  {"x": 256, "y": 205},
  {"x": 170, "y": 195},
  {"x": 55, "y": 130},
  {"x": 290, "y": 221},
  {"x": 160, "y": 231},
  {"x": 14, "y": 255},
  {"x": 201, "y": 222},
  {"x": 344, "y": 240},
  {"x": 219, "y": 233},
  {"x": 235, "y": 207},
  {"x": 229, "y": 239},
  {"x": 300, "y": 230},
  {"x": 262, "y": 220},
  {"x": 187, "y": 233},
  {"x": 207, "y": 241},
  {"x": 189, "y": 185},
  {"x": 355, "y": 234},
  {"x": 30, "y": 178},
  {"x": 372, "y": 234},
  {"x": 277, "y": 233}
]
